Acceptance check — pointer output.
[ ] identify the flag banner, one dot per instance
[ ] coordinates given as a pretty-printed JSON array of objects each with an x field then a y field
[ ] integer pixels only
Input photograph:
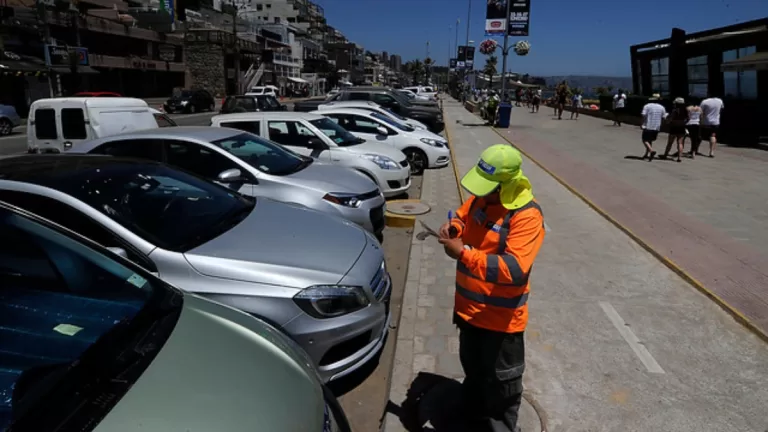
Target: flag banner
[
  {"x": 519, "y": 17},
  {"x": 495, "y": 24}
]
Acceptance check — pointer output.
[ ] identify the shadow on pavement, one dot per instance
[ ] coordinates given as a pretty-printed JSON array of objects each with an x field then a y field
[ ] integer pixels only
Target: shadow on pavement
[
  {"x": 433, "y": 404},
  {"x": 637, "y": 158}
]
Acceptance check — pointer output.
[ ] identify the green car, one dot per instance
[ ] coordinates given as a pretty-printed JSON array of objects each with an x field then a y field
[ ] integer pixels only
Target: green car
[{"x": 91, "y": 342}]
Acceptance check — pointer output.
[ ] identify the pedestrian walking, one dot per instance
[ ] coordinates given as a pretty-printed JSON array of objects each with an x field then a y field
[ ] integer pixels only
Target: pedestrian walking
[
  {"x": 576, "y": 103},
  {"x": 692, "y": 129},
  {"x": 710, "y": 121},
  {"x": 677, "y": 120},
  {"x": 619, "y": 102},
  {"x": 495, "y": 237},
  {"x": 536, "y": 101},
  {"x": 653, "y": 115},
  {"x": 562, "y": 95}
]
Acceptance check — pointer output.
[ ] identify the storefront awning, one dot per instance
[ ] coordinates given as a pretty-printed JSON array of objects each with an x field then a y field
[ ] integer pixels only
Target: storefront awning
[
  {"x": 298, "y": 80},
  {"x": 80, "y": 69},
  {"x": 752, "y": 62}
]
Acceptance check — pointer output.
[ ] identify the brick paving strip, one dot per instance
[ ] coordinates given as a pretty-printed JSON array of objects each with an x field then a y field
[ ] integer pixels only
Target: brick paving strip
[{"x": 734, "y": 275}]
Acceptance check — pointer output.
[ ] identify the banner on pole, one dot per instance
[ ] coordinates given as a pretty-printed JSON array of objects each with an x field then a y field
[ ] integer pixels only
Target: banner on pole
[
  {"x": 519, "y": 17},
  {"x": 452, "y": 64},
  {"x": 495, "y": 25},
  {"x": 470, "y": 56},
  {"x": 462, "y": 53}
]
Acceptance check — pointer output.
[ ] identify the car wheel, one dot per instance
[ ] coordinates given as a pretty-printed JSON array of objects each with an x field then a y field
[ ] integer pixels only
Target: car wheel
[
  {"x": 417, "y": 159},
  {"x": 6, "y": 127},
  {"x": 211, "y": 107},
  {"x": 192, "y": 109}
]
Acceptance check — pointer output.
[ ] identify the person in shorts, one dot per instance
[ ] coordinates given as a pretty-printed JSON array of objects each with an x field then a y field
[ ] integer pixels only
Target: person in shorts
[
  {"x": 619, "y": 102},
  {"x": 535, "y": 100},
  {"x": 692, "y": 129},
  {"x": 710, "y": 121},
  {"x": 653, "y": 116},
  {"x": 677, "y": 120},
  {"x": 576, "y": 103},
  {"x": 562, "y": 96}
]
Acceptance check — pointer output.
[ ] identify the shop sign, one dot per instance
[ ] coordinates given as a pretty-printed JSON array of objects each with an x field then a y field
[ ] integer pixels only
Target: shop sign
[{"x": 60, "y": 55}]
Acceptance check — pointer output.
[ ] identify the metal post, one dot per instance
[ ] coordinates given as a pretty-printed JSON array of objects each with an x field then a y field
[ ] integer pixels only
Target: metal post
[
  {"x": 469, "y": 12},
  {"x": 505, "y": 51},
  {"x": 74, "y": 60},
  {"x": 449, "y": 45},
  {"x": 236, "y": 48}
]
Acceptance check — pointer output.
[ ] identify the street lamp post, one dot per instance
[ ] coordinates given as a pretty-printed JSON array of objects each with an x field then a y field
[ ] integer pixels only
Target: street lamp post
[{"x": 505, "y": 52}]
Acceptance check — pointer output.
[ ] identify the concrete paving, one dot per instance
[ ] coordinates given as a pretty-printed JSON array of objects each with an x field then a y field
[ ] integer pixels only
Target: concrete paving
[
  {"x": 705, "y": 217},
  {"x": 616, "y": 340}
]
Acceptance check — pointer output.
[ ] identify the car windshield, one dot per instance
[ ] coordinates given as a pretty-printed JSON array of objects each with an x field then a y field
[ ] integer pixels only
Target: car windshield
[
  {"x": 169, "y": 208},
  {"x": 72, "y": 317},
  {"x": 264, "y": 155},
  {"x": 389, "y": 121},
  {"x": 401, "y": 99},
  {"x": 338, "y": 134},
  {"x": 271, "y": 101},
  {"x": 186, "y": 94},
  {"x": 407, "y": 94},
  {"x": 394, "y": 114}
]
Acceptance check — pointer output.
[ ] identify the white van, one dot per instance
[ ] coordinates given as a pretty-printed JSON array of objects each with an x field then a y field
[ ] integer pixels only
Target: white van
[{"x": 59, "y": 124}]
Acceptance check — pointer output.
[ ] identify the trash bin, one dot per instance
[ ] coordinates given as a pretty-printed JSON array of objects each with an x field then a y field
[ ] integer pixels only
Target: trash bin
[{"x": 505, "y": 112}]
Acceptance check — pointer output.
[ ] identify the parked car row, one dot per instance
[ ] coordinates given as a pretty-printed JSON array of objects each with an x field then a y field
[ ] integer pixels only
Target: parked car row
[{"x": 278, "y": 215}]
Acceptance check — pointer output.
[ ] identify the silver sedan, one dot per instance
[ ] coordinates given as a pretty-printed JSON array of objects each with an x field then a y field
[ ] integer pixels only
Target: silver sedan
[
  {"x": 254, "y": 166},
  {"x": 319, "y": 278}
]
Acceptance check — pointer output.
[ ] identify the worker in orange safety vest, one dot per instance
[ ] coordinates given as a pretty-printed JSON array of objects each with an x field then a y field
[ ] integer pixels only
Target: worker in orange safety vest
[{"x": 495, "y": 237}]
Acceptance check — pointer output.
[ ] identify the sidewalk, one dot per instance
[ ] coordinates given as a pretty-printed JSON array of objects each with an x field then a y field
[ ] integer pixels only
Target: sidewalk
[
  {"x": 706, "y": 216},
  {"x": 616, "y": 341}
]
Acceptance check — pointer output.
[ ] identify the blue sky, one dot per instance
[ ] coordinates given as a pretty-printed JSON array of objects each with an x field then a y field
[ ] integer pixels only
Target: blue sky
[{"x": 576, "y": 37}]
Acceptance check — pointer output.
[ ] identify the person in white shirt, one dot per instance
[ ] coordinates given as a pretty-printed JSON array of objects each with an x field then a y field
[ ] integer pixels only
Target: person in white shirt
[
  {"x": 710, "y": 121},
  {"x": 653, "y": 116},
  {"x": 692, "y": 129},
  {"x": 619, "y": 102},
  {"x": 576, "y": 103}
]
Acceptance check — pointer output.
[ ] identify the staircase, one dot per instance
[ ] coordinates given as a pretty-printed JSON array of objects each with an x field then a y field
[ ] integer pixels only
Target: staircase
[{"x": 252, "y": 77}]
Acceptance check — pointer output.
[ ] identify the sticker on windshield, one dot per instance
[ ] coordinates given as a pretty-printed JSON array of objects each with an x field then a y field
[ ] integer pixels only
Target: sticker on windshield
[
  {"x": 338, "y": 140},
  {"x": 137, "y": 280},
  {"x": 67, "y": 329}
]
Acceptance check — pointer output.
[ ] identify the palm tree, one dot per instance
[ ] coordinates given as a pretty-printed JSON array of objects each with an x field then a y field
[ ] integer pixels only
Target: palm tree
[
  {"x": 416, "y": 69},
  {"x": 490, "y": 69},
  {"x": 428, "y": 63}
]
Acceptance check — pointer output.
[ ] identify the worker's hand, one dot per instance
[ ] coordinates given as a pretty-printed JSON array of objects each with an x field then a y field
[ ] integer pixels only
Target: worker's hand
[
  {"x": 452, "y": 246},
  {"x": 445, "y": 230}
]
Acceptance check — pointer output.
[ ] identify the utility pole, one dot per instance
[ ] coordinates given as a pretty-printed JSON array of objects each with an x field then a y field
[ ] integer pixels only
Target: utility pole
[
  {"x": 235, "y": 48},
  {"x": 505, "y": 52},
  {"x": 449, "y": 45},
  {"x": 74, "y": 59}
]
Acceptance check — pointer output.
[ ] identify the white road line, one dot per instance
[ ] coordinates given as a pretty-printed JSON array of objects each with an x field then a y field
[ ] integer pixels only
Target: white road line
[{"x": 629, "y": 336}]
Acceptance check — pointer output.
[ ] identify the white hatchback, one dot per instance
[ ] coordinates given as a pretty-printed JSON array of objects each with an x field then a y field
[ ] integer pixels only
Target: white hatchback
[
  {"x": 319, "y": 137},
  {"x": 423, "y": 148}
]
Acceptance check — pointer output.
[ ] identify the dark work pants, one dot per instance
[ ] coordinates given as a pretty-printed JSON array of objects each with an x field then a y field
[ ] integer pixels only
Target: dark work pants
[{"x": 493, "y": 364}]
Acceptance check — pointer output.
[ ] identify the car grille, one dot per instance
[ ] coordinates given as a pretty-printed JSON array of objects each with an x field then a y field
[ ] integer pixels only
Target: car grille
[
  {"x": 404, "y": 163},
  {"x": 380, "y": 282},
  {"x": 377, "y": 218},
  {"x": 369, "y": 195}
]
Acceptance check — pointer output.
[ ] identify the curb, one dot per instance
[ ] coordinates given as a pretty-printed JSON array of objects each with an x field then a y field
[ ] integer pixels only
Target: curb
[
  {"x": 735, "y": 313},
  {"x": 453, "y": 161}
]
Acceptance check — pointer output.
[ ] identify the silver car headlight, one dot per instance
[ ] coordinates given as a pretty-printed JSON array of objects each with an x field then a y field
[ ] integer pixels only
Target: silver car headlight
[
  {"x": 433, "y": 142},
  {"x": 382, "y": 161},
  {"x": 344, "y": 199},
  {"x": 328, "y": 301}
]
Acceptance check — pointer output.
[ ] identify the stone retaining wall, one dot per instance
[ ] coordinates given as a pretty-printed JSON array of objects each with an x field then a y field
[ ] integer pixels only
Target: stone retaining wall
[{"x": 205, "y": 68}]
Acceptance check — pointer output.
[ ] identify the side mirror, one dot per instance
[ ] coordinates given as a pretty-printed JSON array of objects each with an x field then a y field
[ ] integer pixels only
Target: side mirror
[
  {"x": 232, "y": 175},
  {"x": 315, "y": 143},
  {"x": 381, "y": 130},
  {"x": 118, "y": 251}
]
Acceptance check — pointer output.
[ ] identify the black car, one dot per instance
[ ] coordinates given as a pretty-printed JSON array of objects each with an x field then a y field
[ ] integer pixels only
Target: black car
[
  {"x": 240, "y": 104},
  {"x": 190, "y": 101},
  {"x": 426, "y": 113}
]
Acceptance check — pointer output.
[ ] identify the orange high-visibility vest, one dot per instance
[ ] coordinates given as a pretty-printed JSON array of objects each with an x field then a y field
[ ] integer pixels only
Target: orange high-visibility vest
[{"x": 492, "y": 278}]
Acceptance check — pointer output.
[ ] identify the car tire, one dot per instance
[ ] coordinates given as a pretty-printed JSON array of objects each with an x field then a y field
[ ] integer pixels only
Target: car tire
[
  {"x": 212, "y": 107},
  {"x": 6, "y": 127},
  {"x": 192, "y": 109},
  {"x": 417, "y": 159}
]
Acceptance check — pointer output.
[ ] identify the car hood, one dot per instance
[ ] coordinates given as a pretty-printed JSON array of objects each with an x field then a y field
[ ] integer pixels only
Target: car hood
[
  {"x": 324, "y": 177},
  {"x": 283, "y": 245},
  {"x": 369, "y": 147},
  {"x": 221, "y": 370},
  {"x": 423, "y": 103},
  {"x": 420, "y": 133}
]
